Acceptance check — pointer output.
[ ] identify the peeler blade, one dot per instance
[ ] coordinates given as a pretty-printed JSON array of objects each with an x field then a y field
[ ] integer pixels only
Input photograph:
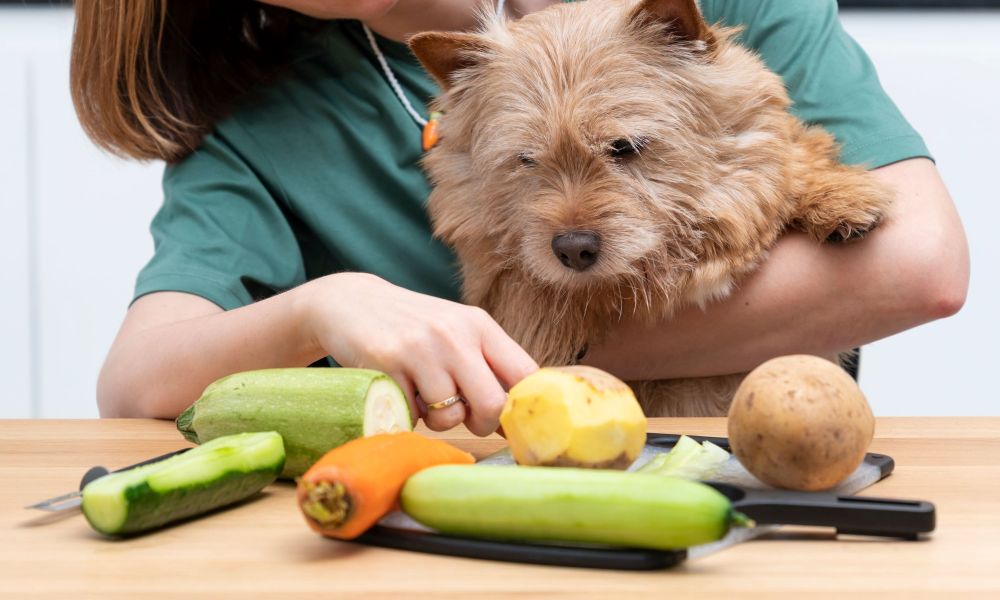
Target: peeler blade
[
  {"x": 59, "y": 503},
  {"x": 75, "y": 499}
]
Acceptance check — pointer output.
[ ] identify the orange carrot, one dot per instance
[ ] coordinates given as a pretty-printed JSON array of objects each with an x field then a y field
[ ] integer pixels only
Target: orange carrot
[{"x": 356, "y": 484}]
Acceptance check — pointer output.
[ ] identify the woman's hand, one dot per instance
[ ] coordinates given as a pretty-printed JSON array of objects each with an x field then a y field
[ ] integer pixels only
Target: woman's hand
[{"x": 433, "y": 348}]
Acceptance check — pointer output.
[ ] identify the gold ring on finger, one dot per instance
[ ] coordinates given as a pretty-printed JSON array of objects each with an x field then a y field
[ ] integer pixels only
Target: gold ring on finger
[{"x": 445, "y": 403}]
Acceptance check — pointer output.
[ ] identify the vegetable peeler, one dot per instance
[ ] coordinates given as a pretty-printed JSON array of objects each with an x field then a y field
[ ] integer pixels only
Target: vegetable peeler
[{"x": 73, "y": 499}]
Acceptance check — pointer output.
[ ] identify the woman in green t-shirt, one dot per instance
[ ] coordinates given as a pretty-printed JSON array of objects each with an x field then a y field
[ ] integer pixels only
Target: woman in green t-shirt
[{"x": 293, "y": 228}]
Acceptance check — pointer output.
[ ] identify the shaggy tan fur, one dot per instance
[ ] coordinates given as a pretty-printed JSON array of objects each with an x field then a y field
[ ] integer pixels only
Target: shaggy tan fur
[{"x": 533, "y": 110}]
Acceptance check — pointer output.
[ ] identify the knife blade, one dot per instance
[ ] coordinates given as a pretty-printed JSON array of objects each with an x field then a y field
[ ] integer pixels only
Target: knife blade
[{"x": 73, "y": 500}]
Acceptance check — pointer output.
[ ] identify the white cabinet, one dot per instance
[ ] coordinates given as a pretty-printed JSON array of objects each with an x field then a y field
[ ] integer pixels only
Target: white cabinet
[{"x": 73, "y": 221}]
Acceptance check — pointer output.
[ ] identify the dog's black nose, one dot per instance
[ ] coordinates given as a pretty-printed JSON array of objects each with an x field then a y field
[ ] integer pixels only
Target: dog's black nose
[{"x": 577, "y": 250}]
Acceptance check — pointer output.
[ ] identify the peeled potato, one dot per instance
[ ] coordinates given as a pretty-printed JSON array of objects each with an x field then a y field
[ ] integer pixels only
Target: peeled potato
[
  {"x": 573, "y": 416},
  {"x": 800, "y": 422}
]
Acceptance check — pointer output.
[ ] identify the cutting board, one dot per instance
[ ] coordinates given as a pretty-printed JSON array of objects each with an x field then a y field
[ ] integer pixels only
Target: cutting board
[{"x": 399, "y": 531}]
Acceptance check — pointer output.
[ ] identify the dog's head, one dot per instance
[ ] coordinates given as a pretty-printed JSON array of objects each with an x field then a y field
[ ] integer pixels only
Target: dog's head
[{"x": 594, "y": 143}]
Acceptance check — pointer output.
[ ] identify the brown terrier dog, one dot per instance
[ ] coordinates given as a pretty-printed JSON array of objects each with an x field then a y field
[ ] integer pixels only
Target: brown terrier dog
[{"x": 616, "y": 157}]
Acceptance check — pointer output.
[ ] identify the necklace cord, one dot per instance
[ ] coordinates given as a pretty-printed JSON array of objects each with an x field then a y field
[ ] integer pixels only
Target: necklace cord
[{"x": 391, "y": 77}]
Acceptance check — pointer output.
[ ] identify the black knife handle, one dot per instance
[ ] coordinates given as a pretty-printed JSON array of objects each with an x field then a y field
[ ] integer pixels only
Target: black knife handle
[
  {"x": 856, "y": 515},
  {"x": 95, "y": 473}
]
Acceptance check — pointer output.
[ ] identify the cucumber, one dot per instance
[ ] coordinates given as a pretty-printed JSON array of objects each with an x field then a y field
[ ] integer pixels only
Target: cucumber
[
  {"x": 314, "y": 409},
  {"x": 223, "y": 471},
  {"x": 559, "y": 504}
]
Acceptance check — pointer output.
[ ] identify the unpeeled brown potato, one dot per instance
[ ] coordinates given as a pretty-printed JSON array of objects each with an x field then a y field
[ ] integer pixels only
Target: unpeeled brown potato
[{"x": 800, "y": 422}]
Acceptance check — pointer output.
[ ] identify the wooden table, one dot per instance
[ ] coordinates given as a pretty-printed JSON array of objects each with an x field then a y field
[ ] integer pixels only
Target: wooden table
[{"x": 263, "y": 549}]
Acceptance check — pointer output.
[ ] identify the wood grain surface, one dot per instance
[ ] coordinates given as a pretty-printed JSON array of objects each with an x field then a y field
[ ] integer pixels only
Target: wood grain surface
[{"x": 262, "y": 549}]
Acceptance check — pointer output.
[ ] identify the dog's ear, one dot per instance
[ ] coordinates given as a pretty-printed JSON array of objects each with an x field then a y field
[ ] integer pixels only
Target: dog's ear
[
  {"x": 443, "y": 53},
  {"x": 682, "y": 17}
]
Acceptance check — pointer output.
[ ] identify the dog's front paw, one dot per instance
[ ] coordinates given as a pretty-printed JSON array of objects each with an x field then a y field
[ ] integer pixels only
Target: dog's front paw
[
  {"x": 846, "y": 208},
  {"x": 848, "y": 231},
  {"x": 834, "y": 202}
]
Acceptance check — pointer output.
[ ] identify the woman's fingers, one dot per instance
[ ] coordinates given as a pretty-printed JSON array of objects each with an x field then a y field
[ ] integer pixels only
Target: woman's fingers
[
  {"x": 485, "y": 372},
  {"x": 436, "y": 386},
  {"x": 484, "y": 393},
  {"x": 506, "y": 358},
  {"x": 448, "y": 349}
]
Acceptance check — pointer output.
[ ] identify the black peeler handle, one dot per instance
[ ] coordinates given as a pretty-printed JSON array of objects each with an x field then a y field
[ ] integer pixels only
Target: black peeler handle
[
  {"x": 856, "y": 515},
  {"x": 97, "y": 472}
]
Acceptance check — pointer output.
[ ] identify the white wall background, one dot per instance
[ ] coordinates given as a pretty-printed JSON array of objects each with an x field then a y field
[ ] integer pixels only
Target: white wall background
[
  {"x": 73, "y": 227},
  {"x": 73, "y": 221},
  {"x": 943, "y": 69}
]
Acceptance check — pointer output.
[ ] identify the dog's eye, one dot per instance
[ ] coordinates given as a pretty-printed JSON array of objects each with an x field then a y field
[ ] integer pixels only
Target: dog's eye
[
  {"x": 526, "y": 160},
  {"x": 622, "y": 148}
]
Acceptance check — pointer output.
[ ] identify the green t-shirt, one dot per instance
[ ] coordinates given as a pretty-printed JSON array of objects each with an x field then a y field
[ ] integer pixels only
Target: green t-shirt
[{"x": 319, "y": 173}]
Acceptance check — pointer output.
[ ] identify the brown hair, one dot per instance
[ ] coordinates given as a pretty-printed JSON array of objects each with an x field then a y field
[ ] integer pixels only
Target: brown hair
[{"x": 149, "y": 78}]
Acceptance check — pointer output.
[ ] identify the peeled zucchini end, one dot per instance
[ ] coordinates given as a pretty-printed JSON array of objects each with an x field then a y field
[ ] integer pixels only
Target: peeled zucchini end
[{"x": 386, "y": 408}]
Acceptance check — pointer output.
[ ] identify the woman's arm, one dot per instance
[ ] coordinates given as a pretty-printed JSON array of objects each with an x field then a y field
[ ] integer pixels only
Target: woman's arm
[
  {"x": 816, "y": 299},
  {"x": 172, "y": 345}
]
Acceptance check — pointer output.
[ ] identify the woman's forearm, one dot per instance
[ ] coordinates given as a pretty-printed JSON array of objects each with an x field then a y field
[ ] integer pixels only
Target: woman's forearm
[
  {"x": 817, "y": 299},
  {"x": 172, "y": 345}
]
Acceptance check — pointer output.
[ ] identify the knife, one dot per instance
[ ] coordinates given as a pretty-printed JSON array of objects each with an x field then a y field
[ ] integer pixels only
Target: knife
[{"x": 73, "y": 499}]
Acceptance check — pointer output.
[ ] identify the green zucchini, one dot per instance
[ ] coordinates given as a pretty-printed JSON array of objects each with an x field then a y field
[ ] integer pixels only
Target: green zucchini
[
  {"x": 314, "y": 409},
  {"x": 556, "y": 504},
  {"x": 221, "y": 472}
]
